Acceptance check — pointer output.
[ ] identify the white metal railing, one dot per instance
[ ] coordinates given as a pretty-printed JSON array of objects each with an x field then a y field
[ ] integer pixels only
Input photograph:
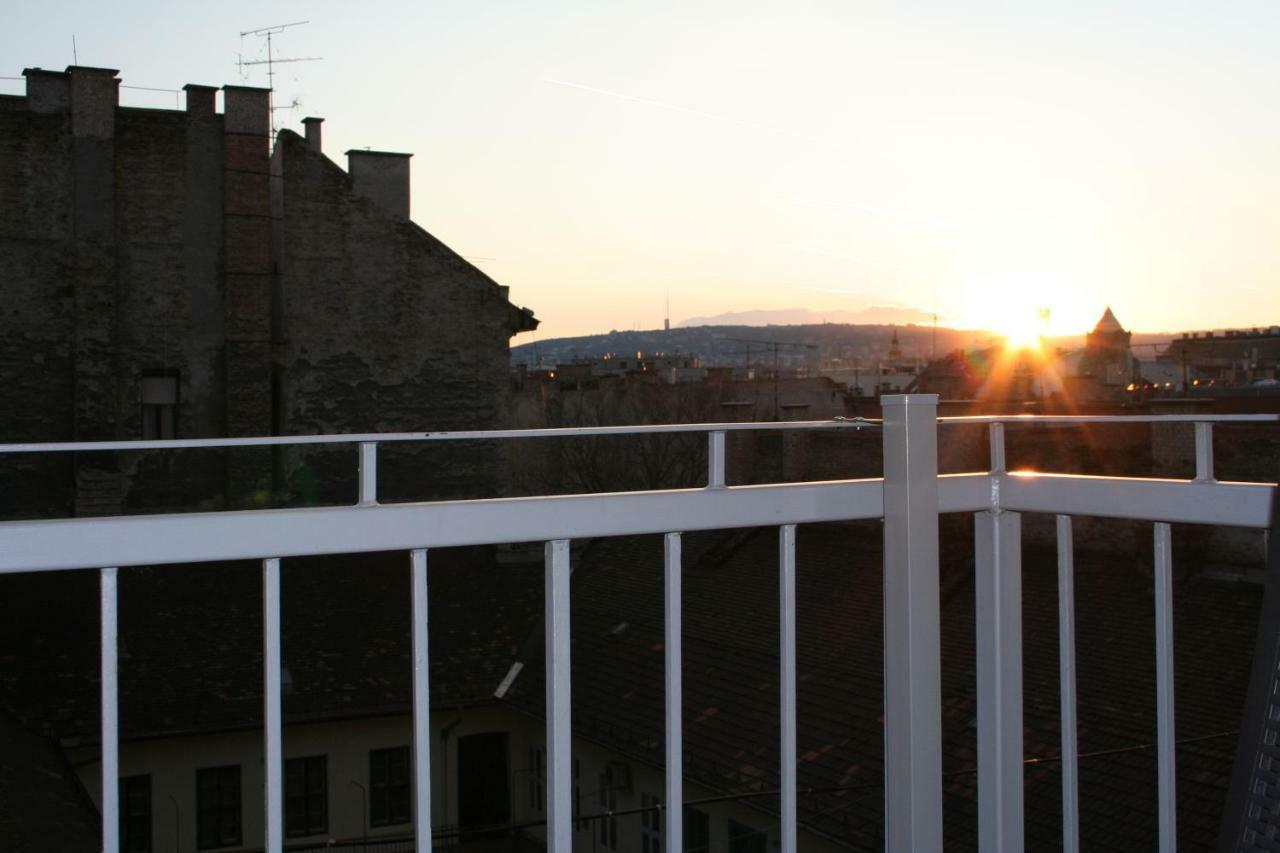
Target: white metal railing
[{"x": 908, "y": 498}]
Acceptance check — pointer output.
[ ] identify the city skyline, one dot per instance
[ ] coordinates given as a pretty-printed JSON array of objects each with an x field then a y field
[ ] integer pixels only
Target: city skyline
[{"x": 977, "y": 164}]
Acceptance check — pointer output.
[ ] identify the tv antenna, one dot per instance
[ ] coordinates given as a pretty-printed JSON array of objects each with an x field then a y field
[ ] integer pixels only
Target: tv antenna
[
  {"x": 775, "y": 346},
  {"x": 271, "y": 61}
]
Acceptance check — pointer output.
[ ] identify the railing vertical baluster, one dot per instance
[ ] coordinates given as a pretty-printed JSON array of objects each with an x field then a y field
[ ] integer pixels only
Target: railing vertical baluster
[
  {"x": 110, "y": 714},
  {"x": 368, "y": 473},
  {"x": 787, "y": 652},
  {"x": 1204, "y": 452},
  {"x": 271, "y": 677},
  {"x": 1164, "y": 688},
  {"x": 912, "y": 664},
  {"x": 715, "y": 460},
  {"x": 674, "y": 695},
  {"x": 1067, "y": 680},
  {"x": 998, "y": 625},
  {"x": 421, "y": 702},
  {"x": 996, "y": 437},
  {"x": 559, "y": 724}
]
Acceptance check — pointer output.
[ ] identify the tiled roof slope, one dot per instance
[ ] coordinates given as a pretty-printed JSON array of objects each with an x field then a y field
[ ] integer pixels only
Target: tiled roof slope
[
  {"x": 42, "y": 805},
  {"x": 731, "y": 680},
  {"x": 191, "y": 640}
]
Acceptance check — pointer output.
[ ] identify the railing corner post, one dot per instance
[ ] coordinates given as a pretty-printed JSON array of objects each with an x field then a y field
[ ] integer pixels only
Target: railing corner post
[{"x": 912, "y": 658}]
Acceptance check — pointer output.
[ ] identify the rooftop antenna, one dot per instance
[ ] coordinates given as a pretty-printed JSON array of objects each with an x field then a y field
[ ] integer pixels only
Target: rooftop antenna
[
  {"x": 271, "y": 61},
  {"x": 75, "y": 56}
]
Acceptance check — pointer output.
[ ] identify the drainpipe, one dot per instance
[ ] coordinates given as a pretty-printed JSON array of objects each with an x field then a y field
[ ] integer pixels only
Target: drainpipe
[
  {"x": 444, "y": 767},
  {"x": 177, "y": 824},
  {"x": 364, "y": 815}
]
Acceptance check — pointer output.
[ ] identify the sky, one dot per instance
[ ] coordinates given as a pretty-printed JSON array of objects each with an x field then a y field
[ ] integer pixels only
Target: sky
[{"x": 978, "y": 160}]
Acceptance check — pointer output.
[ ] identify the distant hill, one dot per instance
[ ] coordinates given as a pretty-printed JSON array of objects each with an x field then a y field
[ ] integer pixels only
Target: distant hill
[
  {"x": 877, "y": 315},
  {"x": 729, "y": 345}
]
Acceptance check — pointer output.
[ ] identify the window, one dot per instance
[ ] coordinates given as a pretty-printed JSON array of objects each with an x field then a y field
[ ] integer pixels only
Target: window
[
  {"x": 650, "y": 824},
  {"x": 306, "y": 796},
  {"x": 697, "y": 831},
  {"x": 608, "y": 803},
  {"x": 159, "y": 404},
  {"x": 537, "y": 779},
  {"x": 745, "y": 839},
  {"x": 218, "y": 807},
  {"x": 135, "y": 814},
  {"x": 390, "y": 788}
]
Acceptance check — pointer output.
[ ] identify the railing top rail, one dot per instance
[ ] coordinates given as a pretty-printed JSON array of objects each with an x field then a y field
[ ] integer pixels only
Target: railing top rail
[
  {"x": 460, "y": 435},
  {"x": 1105, "y": 419}
]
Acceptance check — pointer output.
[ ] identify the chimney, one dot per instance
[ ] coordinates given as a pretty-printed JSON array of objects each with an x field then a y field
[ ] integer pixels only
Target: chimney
[
  {"x": 383, "y": 178},
  {"x": 200, "y": 99},
  {"x": 247, "y": 111},
  {"x": 95, "y": 94},
  {"x": 47, "y": 91},
  {"x": 312, "y": 125}
]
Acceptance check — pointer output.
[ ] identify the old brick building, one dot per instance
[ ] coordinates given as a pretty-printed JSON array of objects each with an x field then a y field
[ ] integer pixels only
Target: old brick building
[{"x": 166, "y": 275}]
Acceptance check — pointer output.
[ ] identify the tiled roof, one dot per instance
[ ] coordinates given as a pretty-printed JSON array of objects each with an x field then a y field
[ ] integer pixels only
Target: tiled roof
[
  {"x": 1108, "y": 322},
  {"x": 42, "y": 805},
  {"x": 731, "y": 680},
  {"x": 191, "y": 640}
]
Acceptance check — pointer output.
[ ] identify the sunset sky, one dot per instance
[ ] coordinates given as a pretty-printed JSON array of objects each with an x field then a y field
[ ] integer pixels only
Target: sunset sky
[{"x": 975, "y": 159}]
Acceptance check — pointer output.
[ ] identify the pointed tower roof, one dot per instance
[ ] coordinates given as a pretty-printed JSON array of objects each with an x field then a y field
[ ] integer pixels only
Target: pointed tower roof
[{"x": 1108, "y": 323}]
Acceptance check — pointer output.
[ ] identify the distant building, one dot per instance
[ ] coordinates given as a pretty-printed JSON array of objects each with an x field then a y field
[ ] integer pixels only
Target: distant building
[
  {"x": 1107, "y": 359},
  {"x": 1234, "y": 357}
]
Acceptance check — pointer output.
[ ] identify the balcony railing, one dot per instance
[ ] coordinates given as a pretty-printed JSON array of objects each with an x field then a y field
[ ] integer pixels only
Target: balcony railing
[{"x": 909, "y": 498}]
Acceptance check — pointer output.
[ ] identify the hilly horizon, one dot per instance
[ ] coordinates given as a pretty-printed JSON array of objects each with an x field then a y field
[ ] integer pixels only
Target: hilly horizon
[{"x": 799, "y": 343}]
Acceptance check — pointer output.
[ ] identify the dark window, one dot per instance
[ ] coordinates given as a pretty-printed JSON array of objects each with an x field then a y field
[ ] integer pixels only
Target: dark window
[
  {"x": 390, "y": 787},
  {"x": 484, "y": 781},
  {"x": 697, "y": 831},
  {"x": 135, "y": 814},
  {"x": 218, "y": 807},
  {"x": 650, "y": 824},
  {"x": 745, "y": 839},
  {"x": 159, "y": 404},
  {"x": 306, "y": 796}
]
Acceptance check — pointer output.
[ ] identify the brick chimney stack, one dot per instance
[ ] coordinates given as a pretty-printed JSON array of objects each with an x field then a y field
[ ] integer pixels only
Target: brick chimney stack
[
  {"x": 200, "y": 99},
  {"x": 47, "y": 91},
  {"x": 246, "y": 226},
  {"x": 383, "y": 178},
  {"x": 312, "y": 125}
]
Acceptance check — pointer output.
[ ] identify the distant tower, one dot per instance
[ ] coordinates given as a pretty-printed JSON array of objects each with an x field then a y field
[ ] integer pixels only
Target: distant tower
[
  {"x": 1106, "y": 352},
  {"x": 895, "y": 349},
  {"x": 666, "y": 321}
]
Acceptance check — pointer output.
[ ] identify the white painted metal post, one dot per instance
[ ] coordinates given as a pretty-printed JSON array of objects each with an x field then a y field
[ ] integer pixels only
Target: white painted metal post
[
  {"x": 1167, "y": 750},
  {"x": 912, "y": 680},
  {"x": 787, "y": 653},
  {"x": 1067, "y": 681},
  {"x": 715, "y": 460},
  {"x": 271, "y": 712},
  {"x": 998, "y": 625},
  {"x": 996, "y": 435},
  {"x": 110, "y": 714},
  {"x": 368, "y": 473},
  {"x": 674, "y": 802},
  {"x": 1204, "y": 452},
  {"x": 559, "y": 724},
  {"x": 421, "y": 702}
]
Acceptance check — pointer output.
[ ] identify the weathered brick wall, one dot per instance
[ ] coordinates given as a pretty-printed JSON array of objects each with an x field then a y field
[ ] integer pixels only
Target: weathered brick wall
[
  {"x": 380, "y": 327},
  {"x": 36, "y": 367},
  {"x": 169, "y": 238}
]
